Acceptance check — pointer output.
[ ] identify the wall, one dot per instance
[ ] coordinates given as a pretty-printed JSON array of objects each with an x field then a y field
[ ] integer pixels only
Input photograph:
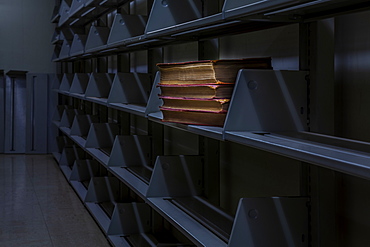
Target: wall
[{"x": 25, "y": 35}]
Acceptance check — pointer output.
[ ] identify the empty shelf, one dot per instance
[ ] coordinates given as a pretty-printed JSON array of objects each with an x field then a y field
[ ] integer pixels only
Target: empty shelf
[
  {"x": 344, "y": 160},
  {"x": 99, "y": 87}
]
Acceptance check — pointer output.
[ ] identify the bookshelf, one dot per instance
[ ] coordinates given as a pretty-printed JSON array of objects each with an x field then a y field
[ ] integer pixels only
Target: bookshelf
[{"x": 202, "y": 185}]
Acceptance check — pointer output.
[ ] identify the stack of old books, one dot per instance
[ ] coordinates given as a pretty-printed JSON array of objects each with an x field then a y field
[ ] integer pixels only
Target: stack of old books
[{"x": 199, "y": 92}]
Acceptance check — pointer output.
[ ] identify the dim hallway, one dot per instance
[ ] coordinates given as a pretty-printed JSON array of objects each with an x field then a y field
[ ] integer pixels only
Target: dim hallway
[{"x": 39, "y": 208}]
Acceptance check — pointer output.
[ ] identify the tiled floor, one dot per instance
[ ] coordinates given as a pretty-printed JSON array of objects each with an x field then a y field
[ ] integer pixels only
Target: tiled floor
[{"x": 39, "y": 208}]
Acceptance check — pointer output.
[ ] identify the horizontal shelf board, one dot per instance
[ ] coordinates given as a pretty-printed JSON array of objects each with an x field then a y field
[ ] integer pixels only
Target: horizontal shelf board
[
  {"x": 98, "y": 155},
  {"x": 77, "y": 95},
  {"x": 57, "y": 156},
  {"x": 169, "y": 124},
  {"x": 79, "y": 188},
  {"x": 79, "y": 140},
  {"x": 130, "y": 108},
  {"x": 206, "y": 30},
  {"x": 185, "y": 223},
  {"x": 96, "y": 49},
  {"x": 246, "y": 8},
  {"x": 343, "y": 160},
  {"x": 132, "y": 40},
  {"x": 132, "y": 181},
  {"x": 208, "y": 131},
  {"x": 156, "y": 115},
  {"x": 56, "y": 41},
  {"x": 100, "y": 216},
  {"x": 201, "y": 22},
  {"x": 209, "y": 215},
  {"x": 65, "y": 130},
  {"x": 63, "y": 92},
  {"x": 76, "y": 54},
  {"x": 314, "y": 10},
  {"x": 102, "y": 101},
  {"x": 116, "y": 44},
  {"x": 161, "y": 238},
  {"x": 66, "y": 171},
  {"x": 97, "y": 100},
  {"x": 327, "y": 141},
  {"x": 63, "y": 22},
  {"x": 56, "y": 123},
  {"x": 118, "y": 241},
  {"x": 55, "y": 18}
]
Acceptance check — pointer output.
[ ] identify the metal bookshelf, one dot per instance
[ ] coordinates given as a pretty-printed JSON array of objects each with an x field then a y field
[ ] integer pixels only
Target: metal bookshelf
[{"x": 136, "y": 190}]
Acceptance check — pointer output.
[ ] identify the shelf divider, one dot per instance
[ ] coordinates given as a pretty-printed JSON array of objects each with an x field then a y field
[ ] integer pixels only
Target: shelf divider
[
  {"x": 81, "y": 125},
  {"x": 79, "y": 83},
  {"x": 175, "y": 191},
  {"x": 65, "y": 49},
  {"x": 133, "y": 150},
  {"x": 66, "y": 82},
  {"x": 176, "y": 176},
  {"x": 154, "y": 101},
  {"x": 97, "y": 38},
  {"x": 78, "y": 45},
  {"x": 130, "y": 218},
  {"x": 130, "y": 160},
  {"x": 166, "y": 14},
  {"x": 99, "y": 141},
  {"x": 272, "y": 100},
  {"x": 76, "y": 6},
  {"x": 84, "y": 170},
  {"x": 126, "y": 26},
  {"x": 130, "y": 88},
  {"x": 64, "y": 11},
  {"x": 81, "y": 174},
  {"x": 101, "y": 135},
  {"x": 68, "y": 117},
  {"x": 68, "y": 157},
  {"x": 102, "y": 189},
  {"x": 101, "y": 197},
  {"x": 99, "y": 86},
  {"x": 267, "y": 221}
]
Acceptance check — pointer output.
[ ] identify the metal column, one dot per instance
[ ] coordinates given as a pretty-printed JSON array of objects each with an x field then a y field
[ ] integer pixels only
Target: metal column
[
  {"x": 37, "y": 113},
  {"x": 15, "y": 112}
]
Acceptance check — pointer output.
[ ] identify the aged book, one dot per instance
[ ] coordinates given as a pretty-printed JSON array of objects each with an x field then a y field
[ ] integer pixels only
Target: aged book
[
  {"x": 212, "y": 118},
  {"x": 210, "y": 91},
  {"x": 208, "y": 71},
  {"x": 214, "y": 105}
]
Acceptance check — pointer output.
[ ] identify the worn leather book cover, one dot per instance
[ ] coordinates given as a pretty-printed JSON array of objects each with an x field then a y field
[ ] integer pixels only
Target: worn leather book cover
[
  {"x": 208, "y": 91},
  {"x": 211, "y": 118},
  {"x": 194, "y": 104},
  {"x": 209, "y": 71}
]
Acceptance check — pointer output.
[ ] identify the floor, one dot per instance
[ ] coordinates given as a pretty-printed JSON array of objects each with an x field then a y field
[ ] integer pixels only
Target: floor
[{"x": 39, "y": 208}]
